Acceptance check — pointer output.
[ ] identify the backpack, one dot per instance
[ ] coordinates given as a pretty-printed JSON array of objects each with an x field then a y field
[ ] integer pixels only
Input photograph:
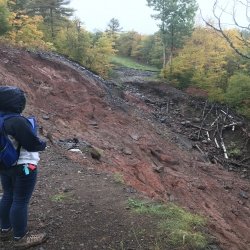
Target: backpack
[{"x": 8, "y": 153}]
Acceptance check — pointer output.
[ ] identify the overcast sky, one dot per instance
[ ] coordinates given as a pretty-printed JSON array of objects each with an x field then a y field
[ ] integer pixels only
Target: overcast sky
[{"x": 132, "y": 14}]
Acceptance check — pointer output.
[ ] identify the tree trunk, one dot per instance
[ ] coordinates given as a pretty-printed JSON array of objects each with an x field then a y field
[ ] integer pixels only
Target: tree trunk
[
  {"x": 164, "y": 55},
  {"x": 171, "y": 50},
  {"x": 52, "y": 24}
]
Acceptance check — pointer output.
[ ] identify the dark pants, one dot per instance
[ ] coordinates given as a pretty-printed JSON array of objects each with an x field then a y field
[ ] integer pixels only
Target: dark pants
[{"x": 17, "y": 191}]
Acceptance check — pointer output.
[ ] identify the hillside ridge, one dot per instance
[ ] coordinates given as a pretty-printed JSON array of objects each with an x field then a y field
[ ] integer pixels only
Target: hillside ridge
[{"x": 118, "y": 132}]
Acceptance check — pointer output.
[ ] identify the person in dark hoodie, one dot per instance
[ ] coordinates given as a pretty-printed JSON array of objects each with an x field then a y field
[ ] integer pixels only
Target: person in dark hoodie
[{"x": 18, "y": 181}]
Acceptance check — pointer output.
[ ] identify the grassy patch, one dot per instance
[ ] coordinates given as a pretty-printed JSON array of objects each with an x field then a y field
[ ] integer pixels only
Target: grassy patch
[
  {"x": 179, "y": 228},
  {"x": 234, "y": 150},
  {"x": 130, "y": 63},
  {"x": 118, "y": 178},
  {"x": 61, "y": 197}
]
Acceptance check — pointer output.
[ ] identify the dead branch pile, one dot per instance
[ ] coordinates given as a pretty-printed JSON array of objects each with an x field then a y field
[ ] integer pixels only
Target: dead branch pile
[
  {"x": 222, "y": 136},
  {"x": 216, "y": 131}
]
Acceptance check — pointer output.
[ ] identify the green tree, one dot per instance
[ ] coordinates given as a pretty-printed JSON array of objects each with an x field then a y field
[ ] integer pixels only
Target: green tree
[
  {"x": 140, "y": 49},
  {"x": 176, "y": 22},
  {"x": 154, "y": 50},
  {"x": 147, "y": 44},
  {"x": 73, "y": 41},
  {"x": 97, "y": 35},
  {"x": 4, "y": 13},
  {"x": 126, "y": 43},
  {"x": 136, "y": 46},
  {"x": 17, "y": 5},
  {"x": 113, "y": 27},
  {"x": 99, "y": 54},
  {"x": 54, "y": 13},
  {"x": 238, "y": 92},
  {"x": 113, "y": 30}
]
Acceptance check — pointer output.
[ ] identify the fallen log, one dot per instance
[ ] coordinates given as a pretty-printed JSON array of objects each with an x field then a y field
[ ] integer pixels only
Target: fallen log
[
  {"x": 189, "y": 124},
  {"x": 233, "y": 125},
  {"x": 216, "y": 143},
  {"x": 224, "y": 148},
  {"x": 226, "y": 114},
  {"x": 201, "y": 151},
  {"x": 204, "y": 117},
  {"x": 245, "y": 159}
]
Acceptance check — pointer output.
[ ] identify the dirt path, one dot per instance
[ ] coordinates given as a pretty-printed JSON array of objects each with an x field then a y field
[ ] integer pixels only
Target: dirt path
[{"x": 80, "y": 208}]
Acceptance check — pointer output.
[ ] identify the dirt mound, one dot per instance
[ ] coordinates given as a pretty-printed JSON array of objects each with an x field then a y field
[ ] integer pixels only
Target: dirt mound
[{"x": 119, "y": 134}]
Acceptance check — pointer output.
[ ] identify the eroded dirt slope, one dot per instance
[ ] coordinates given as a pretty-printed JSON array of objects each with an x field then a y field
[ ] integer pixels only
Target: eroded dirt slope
[{"x": 118, "y": 135}]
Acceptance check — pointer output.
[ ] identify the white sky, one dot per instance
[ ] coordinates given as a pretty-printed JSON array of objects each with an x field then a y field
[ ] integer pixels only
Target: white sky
[{"x": 132, "y": 14}]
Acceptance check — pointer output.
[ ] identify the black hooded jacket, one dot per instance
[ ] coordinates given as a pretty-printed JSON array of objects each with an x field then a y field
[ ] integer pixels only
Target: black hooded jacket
[{"x": 12, "y": 101}]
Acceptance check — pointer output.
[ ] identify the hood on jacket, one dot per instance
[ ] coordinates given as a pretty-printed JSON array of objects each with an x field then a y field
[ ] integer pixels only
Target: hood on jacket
[{"x": 12, "y": 99}]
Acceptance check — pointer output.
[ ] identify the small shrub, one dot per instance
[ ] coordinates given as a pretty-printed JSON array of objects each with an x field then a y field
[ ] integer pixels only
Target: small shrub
[
  {"x": 238, "y": 92},
  {"x": 234, "y": 150}
]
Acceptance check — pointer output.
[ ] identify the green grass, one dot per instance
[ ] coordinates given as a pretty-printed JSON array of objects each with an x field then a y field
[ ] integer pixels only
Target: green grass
[
  {"x": 118, "y": 178},
  {"x": 61, "y": 197},
  {"x": 181, "y": 229},
  {"x": 130, "y": 63}
]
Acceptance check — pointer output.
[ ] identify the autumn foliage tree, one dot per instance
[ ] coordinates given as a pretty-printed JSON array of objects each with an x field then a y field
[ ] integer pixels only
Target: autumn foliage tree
[
  {"x": 25, "y": 31},
  {"x": 209, "y": 63},
  {"x": 98, "y": 58},
  {"x": 234, "y": 10},
  {"x": 46, "y": 25},
  {"x": 73, "y": 41},
  {"x": 203, "y": 62}
]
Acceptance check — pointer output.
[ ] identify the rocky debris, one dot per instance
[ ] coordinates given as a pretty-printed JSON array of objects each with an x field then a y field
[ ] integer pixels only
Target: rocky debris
[
  {"x": 244, "y": 194},
  {"x": 45, "y": 117},
  {"x": 126, "y": 75},
  {"x": 79, "y": 146},
  {"x": 216, "y": 131},
  {"x": 49, "y": 56}
]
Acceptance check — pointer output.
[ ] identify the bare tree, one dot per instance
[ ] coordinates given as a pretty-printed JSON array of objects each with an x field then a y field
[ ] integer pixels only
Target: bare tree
[{"x": 244, "y": 29}]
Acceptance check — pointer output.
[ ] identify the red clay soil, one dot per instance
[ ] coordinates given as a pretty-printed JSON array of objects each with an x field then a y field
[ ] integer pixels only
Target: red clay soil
[{"x": 70, "y": 103}]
